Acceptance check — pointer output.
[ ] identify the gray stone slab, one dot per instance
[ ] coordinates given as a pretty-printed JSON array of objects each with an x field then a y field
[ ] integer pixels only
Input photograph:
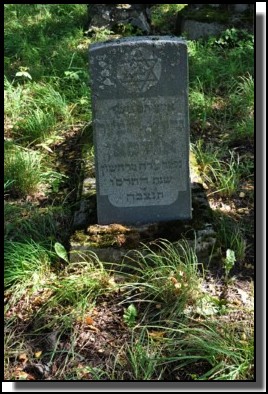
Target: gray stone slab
[{"x": 141, "y": 129}]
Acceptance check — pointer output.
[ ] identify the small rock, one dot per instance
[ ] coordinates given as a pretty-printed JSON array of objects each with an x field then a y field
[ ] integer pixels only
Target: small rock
[{"x": 242, "y": 195}]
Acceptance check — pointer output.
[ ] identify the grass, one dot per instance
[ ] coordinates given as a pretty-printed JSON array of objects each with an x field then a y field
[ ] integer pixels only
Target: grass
[
  {"x": 221, "y": 174},
  {"x": 82, "y": 283},
  {"x": 23, "y": 170},
  {"x": 143, "y": 358},
  {"x": 177, "y": 330},
  {"x": 165, "y": 280},
  {"x": 230, "y": 235},
  {"x": 227, "y": 351},
  {"x": 25, "y": 262},
  {"x": 44, "y": 106},
  {"x": 164, "y": 16}
]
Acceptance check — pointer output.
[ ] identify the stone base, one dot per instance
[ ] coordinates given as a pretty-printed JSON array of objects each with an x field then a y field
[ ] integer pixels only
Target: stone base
[{"x": 112, "y": 243}]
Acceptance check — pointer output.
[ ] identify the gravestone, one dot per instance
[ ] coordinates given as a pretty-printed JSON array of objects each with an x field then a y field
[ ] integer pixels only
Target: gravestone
[{"x": 141, "y": 129}]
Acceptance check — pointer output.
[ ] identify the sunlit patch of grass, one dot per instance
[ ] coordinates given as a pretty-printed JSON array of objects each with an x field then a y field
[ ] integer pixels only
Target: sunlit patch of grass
[
  {"x": 25, "y": 263},
  {"x": 28, "y": 222},
  {"x": 82, "y": 283},
  {"x": 35, "y": 111},
  {"x": 164, "y": 16},
  {"x": 221, "y": 173},
  {"x": 23, "y": 167}
]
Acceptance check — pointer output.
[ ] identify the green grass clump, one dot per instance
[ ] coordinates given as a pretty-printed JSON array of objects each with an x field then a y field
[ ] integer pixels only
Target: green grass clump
[
  {"x": 168, "y": 277},
  {"x": 82, "y": 283},
  {"x": 23, "y": 170},
  {"x": 25, "y": 263},
  {"x": 228, "y": 350},
  {"x": 230, "y": 235},
  {"x": 34, "y": 110},
  {"x": 221, "y": 174},
  {"x": 143, "y": 358},
  {"x": 27, "y": 222}
]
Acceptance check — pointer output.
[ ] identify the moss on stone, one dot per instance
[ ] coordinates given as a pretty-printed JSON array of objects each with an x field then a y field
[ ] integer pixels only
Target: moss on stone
[{"x": 79, "y": 236}]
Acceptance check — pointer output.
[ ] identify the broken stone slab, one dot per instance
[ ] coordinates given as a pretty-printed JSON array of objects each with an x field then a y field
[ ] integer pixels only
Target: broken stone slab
[
  {"x": 112, "y": 16},
  {"x": 114, "y": 243}
]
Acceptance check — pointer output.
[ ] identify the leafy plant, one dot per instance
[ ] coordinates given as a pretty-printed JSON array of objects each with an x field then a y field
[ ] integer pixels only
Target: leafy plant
[
  {"x": 61, "y": 251},
  {"x": 54, "y": 179},
  {"x": 228, "y": 262},
  {"x": 232, "y": 38},
  {"x": 130, "y": 315}
]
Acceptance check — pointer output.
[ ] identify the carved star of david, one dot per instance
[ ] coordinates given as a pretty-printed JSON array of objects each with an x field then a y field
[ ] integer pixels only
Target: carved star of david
[{"x": 140, "y": 74}]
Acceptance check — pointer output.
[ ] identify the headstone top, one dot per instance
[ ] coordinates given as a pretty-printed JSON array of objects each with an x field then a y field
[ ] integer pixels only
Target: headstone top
[{"x": 136, "y": 40}]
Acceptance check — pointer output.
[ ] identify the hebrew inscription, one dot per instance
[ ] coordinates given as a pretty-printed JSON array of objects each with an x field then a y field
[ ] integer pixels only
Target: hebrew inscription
[{"x": 142, "y": 169}]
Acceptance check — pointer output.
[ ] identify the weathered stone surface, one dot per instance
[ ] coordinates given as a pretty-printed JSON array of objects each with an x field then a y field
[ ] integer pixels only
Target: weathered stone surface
[
  {"x": 195, "y": 30},
  {"x": 204, "y": 20},
  {"x": 141, "y": 131}
]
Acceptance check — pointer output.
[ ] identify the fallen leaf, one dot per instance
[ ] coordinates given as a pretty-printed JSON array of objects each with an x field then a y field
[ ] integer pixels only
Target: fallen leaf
[
  {"x": 46, "y": 147},
  {"x": 38, "y": 354},
  {"x": 157, "y": 334},
  {"x": 22, "y": 357},
  {"x": 89, "y": 320}
]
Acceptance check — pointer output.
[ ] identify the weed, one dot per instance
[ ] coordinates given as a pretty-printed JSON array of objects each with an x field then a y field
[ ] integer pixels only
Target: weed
[
  {"x": 228, "y": 262},
  {"x": 232, "y": 38},
  {"x": 222, "y": 175},
  {"x": 226, "y": 175},
  {"x": 61, "y": 251},
  {"x": 53, "y": 180},
  {"x": 130, "y": 315}
]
